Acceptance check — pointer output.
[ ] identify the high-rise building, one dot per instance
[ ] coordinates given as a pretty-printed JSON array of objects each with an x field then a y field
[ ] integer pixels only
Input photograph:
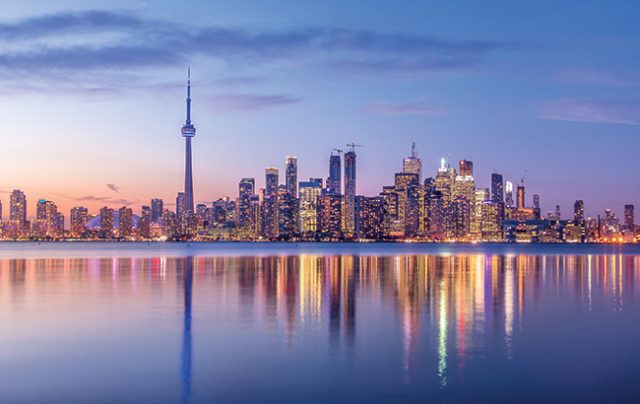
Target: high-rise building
[
  {"x": 157, "y": 207},
  {"x": 46, "y": 219},
  {"x": 106, "y": 222},
  {"x": 310, "y": 191},
  {"x": 629, "y": 219},
  {"x": 349, "y": 191},
  {"x": 79, "y": 216},
  {"x": 520, "y": 197},
  {"x": 169, "y": 224},
  {"x": 413, "y": 164},
  {"x": 508, "y": 194},
  {"x": 272, "y": 180},
  {"x": 18, "y": 208},
  {"x": 125, "y": 222},
  {"x": 491, "y": 223},
  {"x": 287, "y": 214},
  {"x": 497, "y": 189},
  {"x": 188, "y": 132},
  {"x": 335, "y": 175},
  {"x": 536, "y": 201},
  {"x": 466, "y": 168},
  {"x": 291, "y": 173},
  {"x": 578, "y": 213},
  {"x": 464, "y": 186},
  {"x": 179, "y": 206},
  {"x": 406, "y": 188},
  {"x": 330, "y": 216},
  {"x": 269, "y": 216},
  {"x": 144, "y": 224},
  {"x": 372, "y": 218},
  {"x": 246, "y": 188},
  {"x": 482, "y": 195}
]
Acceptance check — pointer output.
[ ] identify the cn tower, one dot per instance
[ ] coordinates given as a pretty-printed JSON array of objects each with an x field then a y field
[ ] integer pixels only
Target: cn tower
[{"x": 188, "y": 131}]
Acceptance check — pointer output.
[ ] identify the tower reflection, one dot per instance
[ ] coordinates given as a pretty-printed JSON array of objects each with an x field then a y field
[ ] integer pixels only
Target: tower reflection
[{"x": 187, "y": 281}]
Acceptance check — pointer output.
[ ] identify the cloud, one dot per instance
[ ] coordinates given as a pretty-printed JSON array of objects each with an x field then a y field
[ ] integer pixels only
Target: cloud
[
  {"x": 102, "y": 199},
  {"x": 598, "y": 78},
  {"x": 405, "y": 108},
  {"x": 592, "y": 110},
  {"x": 113, "y": 187},
  {"x": 245, "y": 102},
  {"x": 50, "y": 47}
]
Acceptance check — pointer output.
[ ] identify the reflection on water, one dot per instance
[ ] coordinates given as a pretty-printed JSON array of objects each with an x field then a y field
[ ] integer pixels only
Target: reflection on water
[{"x": 350, "y": 327}]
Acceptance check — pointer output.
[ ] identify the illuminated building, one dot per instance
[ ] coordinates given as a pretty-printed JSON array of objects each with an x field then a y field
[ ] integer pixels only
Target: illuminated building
[
  {"x": 46, "y": 224},
  {"x": 157, "y": 206},
  {"x": 125, "y": 222},
  {"x": 203, "y": 216},
  {"x": 444, "y": 182},
  {"x": 246, "y": 188},
  {"x": 287, "y": 214},
  {"x": 482, "y": 195},
  {"x": 269, "y": 216},
  {"x": 497, "y": 189},
  {"x": 435, "y": 220},
  {"x": 144, "y": 224},
  {"x": 520, "y": 202},
  {"x": 393, "y": 226},
  {"x": 291, "y": 175},
  {"x": 578, "y": 212},
  {"x": 629, "y": 219},
  {"x": 309, "y": 191},
  {"x": 169, "y": 224},
  {"x": 491, "y": 222},
  {"x": 508, "y": 196},
  {"x": 78, "y": 217},
  {"x": 536, "y": 201},
  {"x": 413, "y": 164},
  {"x": 106, "y": 222},
  {"x": 463, "y": 186},
  {"x": 330, "y": 216},
  {"x": 18, "y": 209},
  {"x": 272, "y": 179},
  {"x": 406, "y": 187},
  {"x": 466, "y": 168},
  {"x": 188, "y": 132},
  {"x": 349, "y": 191},
  {"x": 335, "y": 175},
  {"x": 372, "y": 217},
  {"x": 179, "y": 206},
  {"x": 461, "y": 220}
]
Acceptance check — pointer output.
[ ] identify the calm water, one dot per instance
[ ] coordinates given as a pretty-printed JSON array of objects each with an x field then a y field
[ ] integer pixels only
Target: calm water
[{"x": 289, "y": 323}]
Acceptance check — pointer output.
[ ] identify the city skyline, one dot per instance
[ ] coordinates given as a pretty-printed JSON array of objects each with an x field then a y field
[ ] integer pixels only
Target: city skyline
[{"x": 106, "y": 122}]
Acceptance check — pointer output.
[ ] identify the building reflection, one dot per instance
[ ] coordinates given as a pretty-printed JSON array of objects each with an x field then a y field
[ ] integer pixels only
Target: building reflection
[{"x": 445, "y": 307}]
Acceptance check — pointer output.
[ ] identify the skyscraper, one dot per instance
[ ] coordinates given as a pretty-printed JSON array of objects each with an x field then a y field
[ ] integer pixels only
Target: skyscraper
[
  {"x": 497, "y": 191},
  {"x": 629, "y": 219},
  {"x": 466, "y": 168},
  {"x": 413, "y": 164},
  {"x": 508, "y": 194},
  {"x": 349, "y": 190},
  {"x": 536, "y": 201},
  {"x": 335, "y": 175},
  {"x": 310, "y": 191},
  {"x": 246, "y": 188},
  {"x": 291, "y": 172},
  {"x": 578, "y": 213},
  {"x": 157, "y": 206},
  {"x": 520, "y": 197},
  {"x": 188, "y": 132},
  {"x": 271, "y": 177},
  {"x": 125, "y": 222},
  {"x": 18, "y": 208},
  {"x": 78, "y": 217},
  {"x": 106, "y": 222}
]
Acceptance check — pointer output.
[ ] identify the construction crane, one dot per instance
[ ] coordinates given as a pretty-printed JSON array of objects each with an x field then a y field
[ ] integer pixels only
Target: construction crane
[
  {"x": 353, "y": 146},
  {"x": 523, "y": 177},
  {"x": 339, "y": 151}
]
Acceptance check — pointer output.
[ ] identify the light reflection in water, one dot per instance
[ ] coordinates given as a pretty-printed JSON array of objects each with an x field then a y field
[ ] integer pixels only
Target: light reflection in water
[{"x": 450, "y": 308}]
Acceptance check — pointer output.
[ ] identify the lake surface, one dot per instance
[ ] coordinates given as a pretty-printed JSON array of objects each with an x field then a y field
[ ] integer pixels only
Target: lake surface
[{"x": 262, "y": 322}]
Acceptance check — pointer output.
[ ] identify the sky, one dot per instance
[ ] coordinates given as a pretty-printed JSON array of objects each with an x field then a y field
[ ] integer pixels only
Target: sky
[{"x": 92, "y": 95}]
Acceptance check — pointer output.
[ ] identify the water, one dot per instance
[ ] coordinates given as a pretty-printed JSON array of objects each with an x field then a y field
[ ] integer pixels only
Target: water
[{"x": 236, "y": 322}]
